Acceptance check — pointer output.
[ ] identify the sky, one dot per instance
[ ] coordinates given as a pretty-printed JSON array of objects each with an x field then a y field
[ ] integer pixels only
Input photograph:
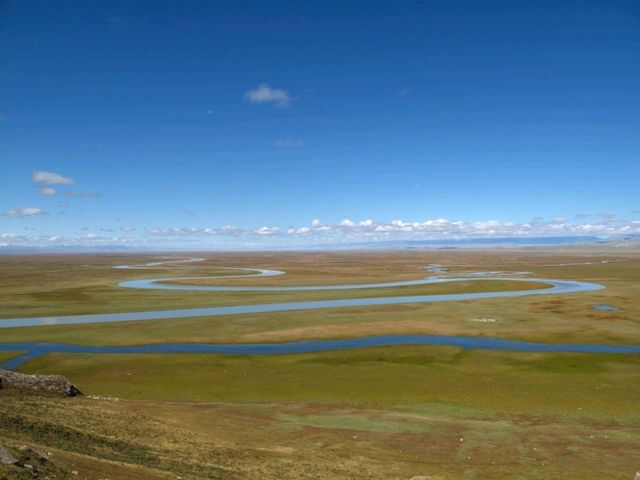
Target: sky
[{"x": 273, "y": 124}]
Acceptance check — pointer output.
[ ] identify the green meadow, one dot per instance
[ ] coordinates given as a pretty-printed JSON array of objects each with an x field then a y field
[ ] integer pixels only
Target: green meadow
[
  {"x": 492, "y": 381},
  {"x": 443, "y": 413},
  {"x": 4, "y": 356}
]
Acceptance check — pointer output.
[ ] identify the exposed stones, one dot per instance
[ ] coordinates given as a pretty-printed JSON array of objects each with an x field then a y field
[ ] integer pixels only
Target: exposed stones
[
  {"x": 6, "y": 456},
  {"x": 483, "y": 320},
  {"x": 30, "y": 463},
  {"x": 51, "y": 384}
]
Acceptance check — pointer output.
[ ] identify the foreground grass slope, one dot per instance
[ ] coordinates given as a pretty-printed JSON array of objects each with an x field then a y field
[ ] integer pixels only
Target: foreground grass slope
[{"x": 376, "y": 413}]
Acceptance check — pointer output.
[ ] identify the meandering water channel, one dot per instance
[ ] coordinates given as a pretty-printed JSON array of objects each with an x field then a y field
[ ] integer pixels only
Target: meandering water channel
[{"x": 34, "y": 350}]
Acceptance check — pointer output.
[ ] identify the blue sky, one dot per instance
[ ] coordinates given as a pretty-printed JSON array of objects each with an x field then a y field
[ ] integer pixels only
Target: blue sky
[{"x": 168, "y": 121}]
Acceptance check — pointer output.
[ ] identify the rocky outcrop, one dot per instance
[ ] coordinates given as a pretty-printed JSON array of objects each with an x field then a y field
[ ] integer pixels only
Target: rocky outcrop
[
  {"x": 6, "y": 456},
  {"x": 30, "y": 463},
  {"x": 51, "y": 384}
]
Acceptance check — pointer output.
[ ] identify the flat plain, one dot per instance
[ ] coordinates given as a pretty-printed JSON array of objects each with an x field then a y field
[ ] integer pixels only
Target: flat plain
[{"x": 386, "y": 412}]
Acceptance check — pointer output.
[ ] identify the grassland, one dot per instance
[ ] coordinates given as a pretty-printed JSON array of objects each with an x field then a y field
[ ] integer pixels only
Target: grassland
[
  {"x": 7, "y": 355},
  {"x": 376, "y": 377},
  {"x": 49, "y": 287},
  {"x": 377, "y": 413},
  {"x": 393, "y": 412},
  {"x": 561, "y": 318}
]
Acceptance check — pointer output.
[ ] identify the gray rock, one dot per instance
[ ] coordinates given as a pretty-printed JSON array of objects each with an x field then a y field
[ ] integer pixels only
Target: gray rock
[
  {"x": 52, "y": 384},
  {"x": 6, "y": 457}
]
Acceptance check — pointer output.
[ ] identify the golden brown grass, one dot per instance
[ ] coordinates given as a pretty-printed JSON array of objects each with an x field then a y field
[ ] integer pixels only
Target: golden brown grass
[{"x": 375, "y": 413}]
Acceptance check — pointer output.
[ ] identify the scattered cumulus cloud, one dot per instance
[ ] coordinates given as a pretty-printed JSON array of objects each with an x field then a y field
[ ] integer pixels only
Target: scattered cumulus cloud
[
  {"x": 50, "y": 178},
  {"x": 45, "y": 179},
  {"x": 268, "y": 230},
  {"x": 263, "y": 93},
  {"x": 173, "y": 232},
  {"x": 230, "y": 229},
  {"x": 433, "y": 229},
  {"x": 318, "y": 233},
  {"x": 298, "y": 231},
  {"x": 24, "y": 212},
  {"x": 47, "y": 191}
]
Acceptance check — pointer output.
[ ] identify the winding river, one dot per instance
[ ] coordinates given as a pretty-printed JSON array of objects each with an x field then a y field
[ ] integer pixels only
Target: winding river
[{"x": 553, "y": 287}]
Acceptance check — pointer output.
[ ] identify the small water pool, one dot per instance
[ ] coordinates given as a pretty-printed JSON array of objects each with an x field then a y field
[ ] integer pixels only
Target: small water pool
[{"x": 606, "y": 308}]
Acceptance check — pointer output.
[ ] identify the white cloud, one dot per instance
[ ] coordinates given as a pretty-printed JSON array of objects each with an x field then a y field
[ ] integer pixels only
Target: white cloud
[
  {"x": 24, "y": 212},
  {"x": 318, "y": 234},
  {"x": 230, "y": 229},
  {"x": 441, "y": 228},
  {"x": 88, "y": 240},
  {"x": 263, "y": 93},
  {"x": 285, "y": 143},
  {"x": 268, "y": 230},
  {"x": 174, "y": 232},
  {"x": 299, "y": 231},
  {"x": 47, "y": 191},
  {"x": 49, "y": 178}
]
